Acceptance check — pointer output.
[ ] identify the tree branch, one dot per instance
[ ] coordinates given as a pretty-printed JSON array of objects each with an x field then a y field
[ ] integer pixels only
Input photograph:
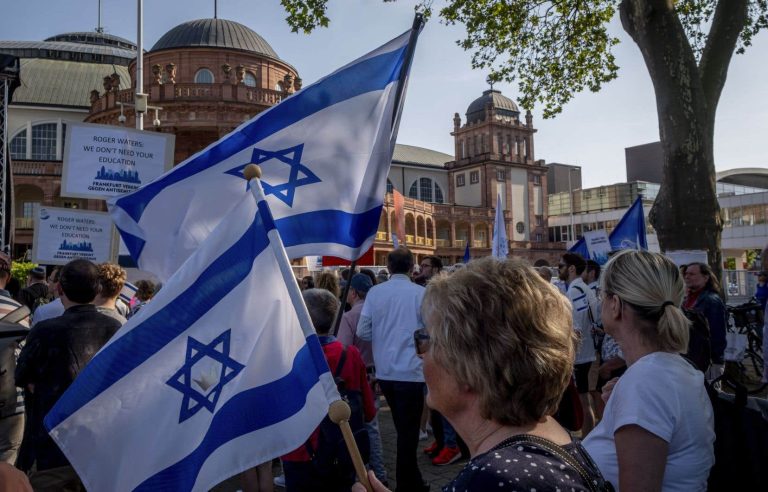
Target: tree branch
[{"x": 727, "y": 24}]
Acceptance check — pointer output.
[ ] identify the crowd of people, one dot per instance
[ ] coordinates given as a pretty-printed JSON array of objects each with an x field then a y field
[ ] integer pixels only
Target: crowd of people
[
  {"x": 73, "y": 311},
  {"x": 483, "y": 354}
]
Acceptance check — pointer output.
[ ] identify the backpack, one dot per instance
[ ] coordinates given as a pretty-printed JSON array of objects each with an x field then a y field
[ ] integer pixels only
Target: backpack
[
  {"x": 331, "y": 459},
  {"x": 699, "y": 349}
]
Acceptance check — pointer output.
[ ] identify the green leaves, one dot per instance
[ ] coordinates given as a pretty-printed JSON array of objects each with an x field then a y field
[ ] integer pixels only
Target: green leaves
[
  {"x": 553, "y": 49},
  {"x": 305, "y": 15}
]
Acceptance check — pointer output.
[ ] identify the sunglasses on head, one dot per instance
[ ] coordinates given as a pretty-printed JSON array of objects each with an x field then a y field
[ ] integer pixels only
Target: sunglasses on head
[{"x": 421, "y": 341}]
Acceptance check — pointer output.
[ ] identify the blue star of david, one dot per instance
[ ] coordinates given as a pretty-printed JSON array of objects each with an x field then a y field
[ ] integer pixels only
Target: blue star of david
[
  {"x": 194, "y": 400},
  {"x": 290, "y": 156}
]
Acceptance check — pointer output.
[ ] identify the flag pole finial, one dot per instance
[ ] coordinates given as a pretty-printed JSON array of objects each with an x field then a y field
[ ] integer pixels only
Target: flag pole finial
[
  {"x": 252, "y": 171},
  {"x": 339, "y": 412}
]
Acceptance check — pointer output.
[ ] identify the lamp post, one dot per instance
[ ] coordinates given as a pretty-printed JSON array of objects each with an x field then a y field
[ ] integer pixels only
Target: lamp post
[{"x": 141, "y": 98}]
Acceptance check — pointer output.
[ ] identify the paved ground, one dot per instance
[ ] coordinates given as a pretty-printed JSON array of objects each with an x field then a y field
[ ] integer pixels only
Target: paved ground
[{"x": 437, "y": 476}]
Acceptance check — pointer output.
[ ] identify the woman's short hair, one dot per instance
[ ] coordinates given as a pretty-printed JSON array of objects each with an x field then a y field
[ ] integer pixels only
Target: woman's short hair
[
  {"x": 652, "y": 286},
  {"x": 506, "y": 333},
  {"x": 111, "y": 279}
]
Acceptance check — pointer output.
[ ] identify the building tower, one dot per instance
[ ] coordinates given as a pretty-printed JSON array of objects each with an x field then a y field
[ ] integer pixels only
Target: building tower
[{"x": 494, "y": 155}]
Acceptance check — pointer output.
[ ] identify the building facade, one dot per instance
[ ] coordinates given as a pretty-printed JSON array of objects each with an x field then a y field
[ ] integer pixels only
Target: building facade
[
  {"x": 56, "y": 75},
  {"x": 208, "y": 76},
  {"x": 744, "y": 210}
]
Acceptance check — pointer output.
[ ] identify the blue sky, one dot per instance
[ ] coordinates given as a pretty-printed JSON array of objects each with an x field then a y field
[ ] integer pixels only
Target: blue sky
[{"x": 592, "y": 131}]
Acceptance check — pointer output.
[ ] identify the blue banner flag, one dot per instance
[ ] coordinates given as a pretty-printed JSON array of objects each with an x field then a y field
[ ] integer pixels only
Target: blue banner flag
[
  {"x": 629, "y": 233},
  {"x": 325, "y": 153},
  {"x": 466, "y": 253},
  {"x": 212, "y": 377}
]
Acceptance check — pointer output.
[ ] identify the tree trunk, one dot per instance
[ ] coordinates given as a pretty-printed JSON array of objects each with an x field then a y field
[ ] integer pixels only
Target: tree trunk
[{"x": 686, "y": 213}]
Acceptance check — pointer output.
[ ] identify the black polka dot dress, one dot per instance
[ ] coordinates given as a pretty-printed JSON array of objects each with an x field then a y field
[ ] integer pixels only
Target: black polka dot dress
[{"x": 523, "y": 467}]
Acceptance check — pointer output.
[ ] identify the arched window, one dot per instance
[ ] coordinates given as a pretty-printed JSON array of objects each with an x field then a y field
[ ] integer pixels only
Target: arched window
[
  {"x": 44, "y": 142},
  {"x": 390, "y": 188},
  {"x": 426, "y": 190},
  {"x": 250, "y": 79},
  {"x": 278, "y": 86},
  {"x": 19, "y": 145},
  {"x": 438, "y": 194},
  {"x": 204, "y": 76}
]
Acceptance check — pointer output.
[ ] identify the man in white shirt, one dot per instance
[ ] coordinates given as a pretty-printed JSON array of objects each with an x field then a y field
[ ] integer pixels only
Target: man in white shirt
[
  {"x": 582, "y": 300},
  {"x": 391, "y": 313}
]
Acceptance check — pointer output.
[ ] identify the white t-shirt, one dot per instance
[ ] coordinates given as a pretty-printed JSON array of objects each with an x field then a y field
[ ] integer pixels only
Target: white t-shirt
[
  {"x": 582, "y": 297},
  {"x": 665, "y": 395}
]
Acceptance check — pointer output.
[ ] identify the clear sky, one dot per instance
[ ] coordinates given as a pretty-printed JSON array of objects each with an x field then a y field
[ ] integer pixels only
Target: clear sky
[{"x": 592, "y": 131}]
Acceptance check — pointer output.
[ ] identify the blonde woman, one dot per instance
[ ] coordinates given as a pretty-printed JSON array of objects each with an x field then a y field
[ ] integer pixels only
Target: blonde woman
[{"x": 657, "y": 428}]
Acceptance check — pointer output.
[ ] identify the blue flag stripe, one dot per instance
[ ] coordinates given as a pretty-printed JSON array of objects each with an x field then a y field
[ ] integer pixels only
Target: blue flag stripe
[
  {"x": 321, "y": 226},
  {"x": 325, "y": 226},
  {"x": 149, "y": 337},
  {"x": 276, "y": 401},
  {"x": 369, "y": 75}
]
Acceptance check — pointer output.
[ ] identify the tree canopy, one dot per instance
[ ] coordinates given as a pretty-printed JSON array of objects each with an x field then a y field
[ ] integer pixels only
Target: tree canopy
[{"x": 552, "y": 49}]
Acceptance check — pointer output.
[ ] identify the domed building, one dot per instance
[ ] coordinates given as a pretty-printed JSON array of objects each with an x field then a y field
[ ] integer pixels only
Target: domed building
[
  {"x": 209, "y": 76},
  {"x": 451, "y": 200},
  {"x": 56, "y": 77}
]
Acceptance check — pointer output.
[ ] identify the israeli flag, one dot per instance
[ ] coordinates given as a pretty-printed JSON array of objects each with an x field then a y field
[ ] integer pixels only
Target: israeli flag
[
  {"x": 629, "y": 233},
  {"x": 325, "y": 153},
  {"x": 210, "y": 378},
  {"x": 500, "y": 247},
  {"x": 126, "y": 294}
]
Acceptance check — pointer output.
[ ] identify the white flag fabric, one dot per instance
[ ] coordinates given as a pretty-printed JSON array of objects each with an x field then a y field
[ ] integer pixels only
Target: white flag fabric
[
  {"x": 325, "y": 154},
  {"x": 210, "y": 378},
  {"x": 500, "y": 247}
]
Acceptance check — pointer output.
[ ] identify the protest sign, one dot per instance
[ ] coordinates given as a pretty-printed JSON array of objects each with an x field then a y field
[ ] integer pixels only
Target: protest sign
[
  {"x": 598, "y": 245},
  {"x": 63, "y": 234},
  {"x": 103, "y": 161}
]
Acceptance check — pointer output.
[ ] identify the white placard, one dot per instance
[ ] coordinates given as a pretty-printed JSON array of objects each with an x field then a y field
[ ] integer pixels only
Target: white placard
[
  {"x": 63, "y": 234},
  {"x": 685, "y": 257},
  {"x": 101, "y": 161},
  {"x": 598, "y": 245}
]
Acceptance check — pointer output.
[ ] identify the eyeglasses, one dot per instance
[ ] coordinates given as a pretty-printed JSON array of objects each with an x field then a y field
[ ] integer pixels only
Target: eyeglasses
[
  {"x": 426, "y": 265},
  {"x": 421, "y": 341}
]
